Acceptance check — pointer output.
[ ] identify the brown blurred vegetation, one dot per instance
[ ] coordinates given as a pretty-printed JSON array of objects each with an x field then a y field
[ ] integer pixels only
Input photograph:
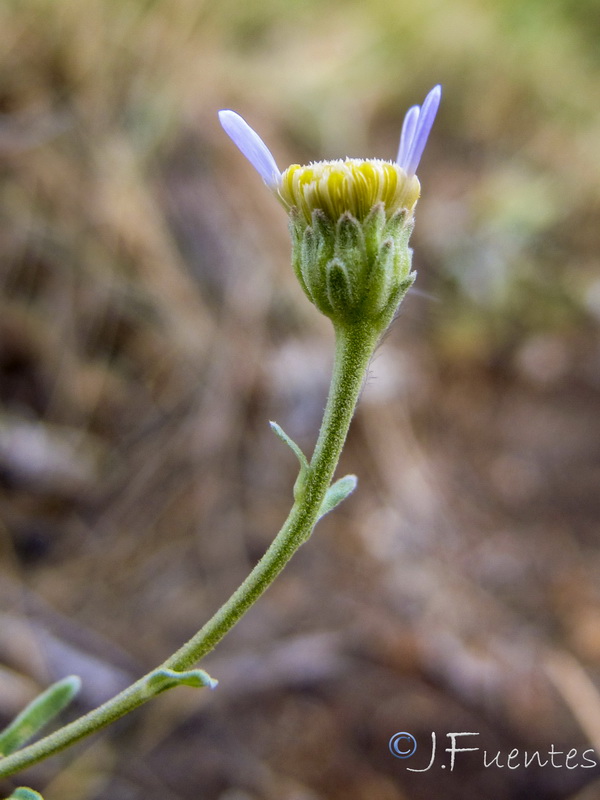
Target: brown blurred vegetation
[{"x": 150, "y": 326}]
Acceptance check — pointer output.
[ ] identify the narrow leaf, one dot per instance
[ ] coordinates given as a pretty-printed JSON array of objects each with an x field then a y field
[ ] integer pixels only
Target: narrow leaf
[
  {"x": 304, "y": 467},
  {"x": 38, "y": 714},
  {"x": 23, "y": 793},
  {"x": 337, "y": 492},
  {"x": 162, "y": 679}
]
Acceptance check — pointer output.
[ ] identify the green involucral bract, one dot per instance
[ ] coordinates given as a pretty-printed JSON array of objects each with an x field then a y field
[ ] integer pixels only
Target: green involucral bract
[{"x": 354, "y": 271}]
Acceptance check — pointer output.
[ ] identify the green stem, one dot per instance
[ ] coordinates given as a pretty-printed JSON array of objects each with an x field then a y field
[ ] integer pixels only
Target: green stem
[{"x": 354, "y": 348}]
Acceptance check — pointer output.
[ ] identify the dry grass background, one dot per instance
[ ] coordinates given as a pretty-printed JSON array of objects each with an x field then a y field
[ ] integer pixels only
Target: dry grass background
[{"x": 150, "y": 326}]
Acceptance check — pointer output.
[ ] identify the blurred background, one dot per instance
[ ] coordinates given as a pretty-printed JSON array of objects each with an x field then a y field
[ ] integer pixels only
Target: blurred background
[{"x": 150, "y": 326}]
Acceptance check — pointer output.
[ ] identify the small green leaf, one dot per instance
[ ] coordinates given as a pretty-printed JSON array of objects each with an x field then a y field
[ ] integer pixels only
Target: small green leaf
[
  {"x": 23, "y": 793},
  {"x": 38, "y": 713},
  {"x": 162, "y": 679},
  {"x": 304, "y": 467},
  {"x": 337, "y": 492}
]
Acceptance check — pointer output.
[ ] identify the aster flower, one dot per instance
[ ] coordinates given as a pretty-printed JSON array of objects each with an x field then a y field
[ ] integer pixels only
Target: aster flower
[
  {"x": 351, "y": 185},
  {"x": 350, "y": 219}
]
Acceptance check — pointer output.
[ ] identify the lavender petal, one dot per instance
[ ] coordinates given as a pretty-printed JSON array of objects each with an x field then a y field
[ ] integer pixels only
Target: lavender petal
[
  {"x": 423, "y": 129},
  {"x": 408, "y": 131},
  {"x": 252, "y": 146}
]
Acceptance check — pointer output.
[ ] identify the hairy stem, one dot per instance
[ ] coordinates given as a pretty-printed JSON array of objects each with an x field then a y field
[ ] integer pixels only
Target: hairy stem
[{"x": 354, "y": 348}]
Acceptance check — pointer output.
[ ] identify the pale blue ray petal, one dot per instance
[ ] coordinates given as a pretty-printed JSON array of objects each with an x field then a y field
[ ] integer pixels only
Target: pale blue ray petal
[
  {"x": 252, "y": 146},
  {"x": 408, "y": 131},
  {"x": 423, "y": 129}
]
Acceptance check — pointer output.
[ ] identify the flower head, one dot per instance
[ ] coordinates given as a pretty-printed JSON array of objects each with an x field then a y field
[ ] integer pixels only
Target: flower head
[
  {"x": 350, "y": 219},
  {"x": 352, "y": 185}
]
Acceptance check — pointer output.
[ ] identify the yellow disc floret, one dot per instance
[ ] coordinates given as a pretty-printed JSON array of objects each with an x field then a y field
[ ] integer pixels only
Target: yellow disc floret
[{"x": 352, "y": 185}]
